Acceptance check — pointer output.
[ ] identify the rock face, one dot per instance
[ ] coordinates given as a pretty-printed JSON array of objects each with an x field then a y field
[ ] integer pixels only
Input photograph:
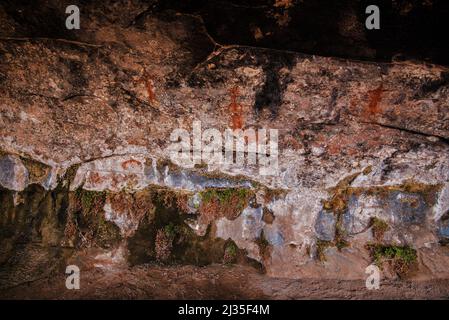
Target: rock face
[{"x": 85, "y": 124}]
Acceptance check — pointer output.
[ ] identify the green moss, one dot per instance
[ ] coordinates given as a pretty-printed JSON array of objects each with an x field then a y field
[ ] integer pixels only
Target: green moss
[
  {"x": 231, "y": 252},
  {"x": 90, "y": 200},
  {"x": 177, "y": 199},
  {"x": 171, "y": 230},
  {"x": 338, "y": 202},
  {"x": 185, "y": 246},
  {"x": 224, "y": 196},
  {"x": 223, "y": 176},
  {"x": 232, "y": 249},
  {"x": 92, "y": 220},
  {"x": 401, "y": 258},
  {"x": 404, "y": 253},
  {"x": 340, "y": 195},
  {"x": 217, "y": 203},
  {"x": 427, "y": 191},
  {"x": 107, "y": 232}
]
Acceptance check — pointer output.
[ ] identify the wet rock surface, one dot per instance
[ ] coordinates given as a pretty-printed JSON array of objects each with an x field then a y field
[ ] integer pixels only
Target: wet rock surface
[{"x": 85, "y": 123}]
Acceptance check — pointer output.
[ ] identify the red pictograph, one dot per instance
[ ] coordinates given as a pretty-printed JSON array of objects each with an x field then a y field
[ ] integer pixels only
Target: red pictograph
[{"x": 236, "y": 110}]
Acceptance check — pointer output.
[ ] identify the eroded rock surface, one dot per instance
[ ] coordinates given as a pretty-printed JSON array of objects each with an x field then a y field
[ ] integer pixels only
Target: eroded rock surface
[{"x": 85, "y": 123}]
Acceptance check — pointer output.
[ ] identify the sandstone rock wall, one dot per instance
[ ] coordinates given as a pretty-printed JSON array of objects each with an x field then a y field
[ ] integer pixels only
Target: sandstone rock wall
[{"x": 362, "y": 146}]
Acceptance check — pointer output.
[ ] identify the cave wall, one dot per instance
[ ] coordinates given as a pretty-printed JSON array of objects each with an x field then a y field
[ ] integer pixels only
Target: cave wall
[{"x": 87, "y": 114}]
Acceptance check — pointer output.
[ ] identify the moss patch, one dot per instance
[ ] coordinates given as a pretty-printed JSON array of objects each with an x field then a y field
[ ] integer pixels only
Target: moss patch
[
  {"x": 230, "y": 253},
  {"x": 340, "y": 195},
  {"x": 167, "y": 239},
  {"x": 342, "y": 192},
  {"x": 75, "y": 219},
  {"x": 338, "y": 203},
  {"x": 92, "y": 228},
  {"x": 400, "y": 258},
  {"x": 223, "y": 176},
  {"x": 91, "y": 201},
  {"x": 107, "y": 233},
  {"x": 427, "y": 191},
  {"x": 171, "y": 198},
  {"x": 229, "y": 203}
]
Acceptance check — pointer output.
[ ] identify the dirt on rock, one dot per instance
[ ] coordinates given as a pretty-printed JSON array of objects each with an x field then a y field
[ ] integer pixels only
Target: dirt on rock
[{"x": 215, "y": 282}]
